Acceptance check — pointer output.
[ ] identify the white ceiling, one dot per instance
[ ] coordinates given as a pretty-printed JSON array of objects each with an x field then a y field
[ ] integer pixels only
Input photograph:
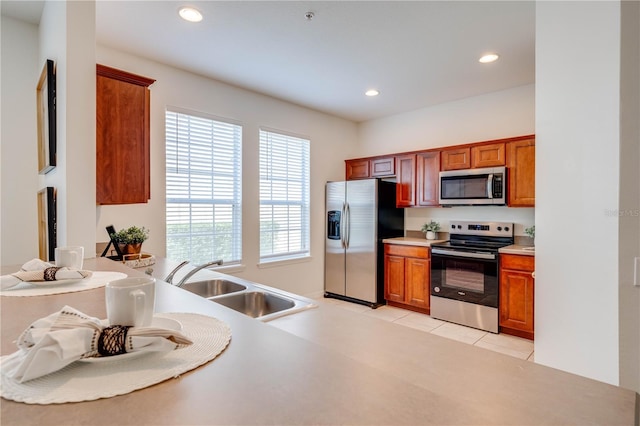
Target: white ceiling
[{"x": 417, "y": 53}]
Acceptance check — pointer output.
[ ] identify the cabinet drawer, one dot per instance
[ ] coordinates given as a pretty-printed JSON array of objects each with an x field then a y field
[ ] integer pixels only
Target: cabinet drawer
[
  {"x": 407, "y": 251},
  {"x": 520, "y": 263}
]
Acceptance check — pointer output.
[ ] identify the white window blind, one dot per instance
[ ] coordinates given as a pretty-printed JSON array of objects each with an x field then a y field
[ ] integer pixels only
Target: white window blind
[
  {"x": 284, "y": 196},
  {"x": 203, "y": 188}
]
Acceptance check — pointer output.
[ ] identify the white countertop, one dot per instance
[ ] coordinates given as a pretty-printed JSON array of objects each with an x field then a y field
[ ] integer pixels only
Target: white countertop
[
  {"x": 518, "y": 249},
  {"x": 409, "y": 241},
  {"x": 323, "y": 366}
]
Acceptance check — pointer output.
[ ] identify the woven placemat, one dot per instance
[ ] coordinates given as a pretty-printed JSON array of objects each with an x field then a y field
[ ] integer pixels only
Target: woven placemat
[
  {"x": 97, "y": 280},
  {"x": 87, "y": 381}
]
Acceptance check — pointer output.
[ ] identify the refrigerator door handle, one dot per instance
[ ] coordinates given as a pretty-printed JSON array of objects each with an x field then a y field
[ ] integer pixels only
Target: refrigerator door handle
[
  {"x": 343, "y": 225},
  {"x": 348, "y": 233}
]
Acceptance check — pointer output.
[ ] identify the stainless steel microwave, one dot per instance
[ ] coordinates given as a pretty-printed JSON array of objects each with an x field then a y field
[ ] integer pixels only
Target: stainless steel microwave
[{"x": 474, "y": 187}]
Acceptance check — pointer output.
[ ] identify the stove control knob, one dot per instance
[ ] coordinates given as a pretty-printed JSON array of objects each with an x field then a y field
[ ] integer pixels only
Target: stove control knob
[
  {"x": 500, "y": 228},
  {"x": 459, "y": 226},
  {"x": 453, "y": 227},
  {"x": 436, "y": 289},
  {"x": 506, "y": 228}
]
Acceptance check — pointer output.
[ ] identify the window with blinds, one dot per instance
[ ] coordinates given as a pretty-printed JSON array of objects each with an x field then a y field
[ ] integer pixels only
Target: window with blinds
[
  {"x": 203, "y": 188},
  {"x": 284, "y": 196}
]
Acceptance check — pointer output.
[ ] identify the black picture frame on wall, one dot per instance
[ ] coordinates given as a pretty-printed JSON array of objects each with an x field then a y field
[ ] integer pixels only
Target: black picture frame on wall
[
  {"x": 47, "y": 226},
  {"x": 46, "y": 104}
]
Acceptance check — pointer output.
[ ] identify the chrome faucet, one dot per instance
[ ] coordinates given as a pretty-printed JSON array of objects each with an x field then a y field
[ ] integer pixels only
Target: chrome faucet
[
  {"x": 169, "y": 278},
  {"x": 196, "y": 269}
]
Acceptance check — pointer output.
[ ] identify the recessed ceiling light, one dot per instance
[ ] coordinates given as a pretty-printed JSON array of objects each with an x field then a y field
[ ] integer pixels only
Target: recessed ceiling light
[
  {"x": 190, "y": 14},
  {"x": 491, "y": 57},
  {"x": 372, "y": 92}
]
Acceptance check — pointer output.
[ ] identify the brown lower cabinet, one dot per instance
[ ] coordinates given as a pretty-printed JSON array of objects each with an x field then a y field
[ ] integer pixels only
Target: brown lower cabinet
[
  {"x": 517, "y": 295},
  {"x": 407, "y": 277}
]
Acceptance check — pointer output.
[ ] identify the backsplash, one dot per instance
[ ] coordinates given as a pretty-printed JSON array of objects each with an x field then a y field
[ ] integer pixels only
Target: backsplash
[{"x": 521, "y": 218}]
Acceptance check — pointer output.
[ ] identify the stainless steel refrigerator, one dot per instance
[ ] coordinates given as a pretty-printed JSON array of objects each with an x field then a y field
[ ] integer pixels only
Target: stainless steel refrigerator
[{"x": 359, "y": 215}]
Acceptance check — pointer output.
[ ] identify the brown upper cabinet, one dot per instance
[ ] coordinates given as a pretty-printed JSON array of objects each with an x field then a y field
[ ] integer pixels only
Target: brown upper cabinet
[
  {"x": 122, "y": 137},
  {"x": 370, "y": 168},
  {"x": 492, "y": 155},
  {"x": 521, "y": 166},
  {"x": 406, "y": 180},
  {"x": 357, "y": 169},
  {"x": 428, "y": 178},
  {"x": 417, "y": 173},
  {"x": 456, "y": 158}
]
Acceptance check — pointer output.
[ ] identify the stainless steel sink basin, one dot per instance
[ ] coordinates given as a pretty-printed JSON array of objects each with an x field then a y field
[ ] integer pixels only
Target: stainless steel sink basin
[
  {"x": 255, "y": 303},
  {"x": 213, "y": 288}
]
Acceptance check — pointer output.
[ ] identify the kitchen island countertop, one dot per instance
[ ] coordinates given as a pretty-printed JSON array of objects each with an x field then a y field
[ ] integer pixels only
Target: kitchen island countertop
[{"x": 290, "y": 372}]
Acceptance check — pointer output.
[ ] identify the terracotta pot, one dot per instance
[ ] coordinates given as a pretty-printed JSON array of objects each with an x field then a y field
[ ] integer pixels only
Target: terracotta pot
[{"x": 130, "y": 248}]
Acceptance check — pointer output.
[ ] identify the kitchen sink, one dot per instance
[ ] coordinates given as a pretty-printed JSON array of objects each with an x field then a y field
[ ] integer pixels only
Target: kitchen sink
[
  {"x": 213, "y": 288},
  {"x": 256, "y": 303},
  {"x": 252, "y": 299}
]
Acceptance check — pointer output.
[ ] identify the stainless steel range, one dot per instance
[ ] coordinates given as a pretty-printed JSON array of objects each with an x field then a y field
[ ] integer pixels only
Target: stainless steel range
[{"x": 465, "y": 274}]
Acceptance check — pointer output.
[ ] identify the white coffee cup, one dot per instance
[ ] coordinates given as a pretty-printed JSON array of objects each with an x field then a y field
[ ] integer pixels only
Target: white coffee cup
[
  {"x": 71, "y": 257},
  {"x": 131, "y": 301}
]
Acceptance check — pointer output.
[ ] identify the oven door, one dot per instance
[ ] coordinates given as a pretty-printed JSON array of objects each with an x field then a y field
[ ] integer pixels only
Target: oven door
[{"x": 466, "y": 276}]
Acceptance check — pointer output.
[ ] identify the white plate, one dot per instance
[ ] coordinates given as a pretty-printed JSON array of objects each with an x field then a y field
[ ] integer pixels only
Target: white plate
[
  {"x": 168, "y": 323},
  {"x": 55, "y": 282}
]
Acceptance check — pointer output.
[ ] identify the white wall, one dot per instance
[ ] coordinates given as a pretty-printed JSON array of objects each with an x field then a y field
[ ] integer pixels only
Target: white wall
[
  {"x": 577, "y": 184},
  {"x": 629, "y": 229},
  {"x": 331, "y": 138},
  {"x": 491, "y": 116},
  {"x": 18, "y": 148}
]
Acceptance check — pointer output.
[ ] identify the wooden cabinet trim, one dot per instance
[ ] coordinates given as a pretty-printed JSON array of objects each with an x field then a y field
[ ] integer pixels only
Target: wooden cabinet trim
[
  {"x": 517, "y": 262},
  {"x": 125, "y": 76}
]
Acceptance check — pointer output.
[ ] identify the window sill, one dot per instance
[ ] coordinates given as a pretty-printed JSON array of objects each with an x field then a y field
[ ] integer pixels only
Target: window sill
[
  {"x": 229, "y": 269},
  {"x": 283, "y": 262}
]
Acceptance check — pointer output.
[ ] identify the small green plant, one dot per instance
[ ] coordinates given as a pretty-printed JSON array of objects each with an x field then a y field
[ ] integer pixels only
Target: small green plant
[
  {"x": 531, "y": 231},
  {"x": 432, "y": 226},
  {"x": 132, "y": 235}
]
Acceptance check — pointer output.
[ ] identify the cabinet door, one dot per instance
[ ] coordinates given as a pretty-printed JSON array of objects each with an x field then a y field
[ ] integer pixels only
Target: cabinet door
[
  {"x": 521, "y": 163},
  {"x": 357, "y": 169},
  {"x": 428, "y": 178},
  {"x": 122, "y": 137},
  {"x": 406, "y": 180},
  {"x": 418, "y": 281},
  {"x": 456, "y": 159},
  {"x": 394, "y": 270},
  {"x": 492, "y": 155},
  {"x": 516, "y": 300},
  {"x": 383, "y": 167}
]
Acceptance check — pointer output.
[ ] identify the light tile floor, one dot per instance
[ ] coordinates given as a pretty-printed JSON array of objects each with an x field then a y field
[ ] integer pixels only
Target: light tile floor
[{"x": 503, "y": 343}]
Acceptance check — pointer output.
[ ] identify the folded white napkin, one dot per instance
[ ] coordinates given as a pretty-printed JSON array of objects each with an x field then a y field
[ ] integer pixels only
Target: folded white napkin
[
  {"x": 38, "y": 270},
  {"x": 53, "y": 342}
]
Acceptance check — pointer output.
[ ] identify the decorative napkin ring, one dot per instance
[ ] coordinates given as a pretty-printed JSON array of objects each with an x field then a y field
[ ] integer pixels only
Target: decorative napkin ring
[
  {"x": 50, "y": 273},
  {"x": 112, "y": 340}
]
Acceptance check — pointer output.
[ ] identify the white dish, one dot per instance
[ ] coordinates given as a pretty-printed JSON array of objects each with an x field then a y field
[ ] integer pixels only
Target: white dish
[
  {"x": 159, "y": 322},
  {"x": 55, "y": 282}
]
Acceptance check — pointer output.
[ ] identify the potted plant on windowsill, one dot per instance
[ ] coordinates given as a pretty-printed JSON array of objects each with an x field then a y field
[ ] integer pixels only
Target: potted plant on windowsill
[
  {"x": 431, "y": 229},
  {"x": 130, "y": 240}
]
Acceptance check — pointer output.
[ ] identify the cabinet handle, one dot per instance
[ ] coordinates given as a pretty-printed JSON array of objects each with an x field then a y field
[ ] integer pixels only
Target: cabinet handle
[{"x": 533, "y": 275}]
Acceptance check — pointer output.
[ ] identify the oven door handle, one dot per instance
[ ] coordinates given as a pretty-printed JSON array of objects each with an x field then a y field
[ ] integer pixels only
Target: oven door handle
[{"x": 473, "y": 255}]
